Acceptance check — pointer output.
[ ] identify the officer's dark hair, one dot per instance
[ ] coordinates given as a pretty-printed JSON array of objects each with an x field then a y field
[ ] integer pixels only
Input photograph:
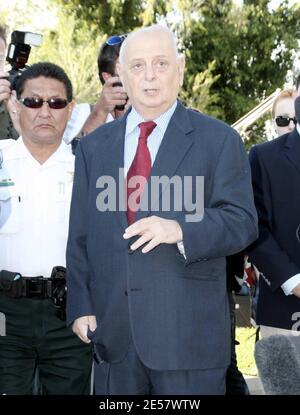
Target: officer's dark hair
[
  {"x": 3, "y": 34},
  {"x": 48, "y": 70},
  {"x": 107, "y": 59}
]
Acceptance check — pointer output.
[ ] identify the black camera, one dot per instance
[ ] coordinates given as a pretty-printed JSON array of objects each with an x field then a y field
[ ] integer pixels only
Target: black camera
[
  {"x": 59, "y": 291},
  {"x": 18, "y": 53}
]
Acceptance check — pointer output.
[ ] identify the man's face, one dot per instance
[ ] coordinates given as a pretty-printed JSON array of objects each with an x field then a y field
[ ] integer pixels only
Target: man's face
[
  {"x": 44, "y": 126},
  {"x": 151, "y": 73},
  {"x": 285, "y": 108}
]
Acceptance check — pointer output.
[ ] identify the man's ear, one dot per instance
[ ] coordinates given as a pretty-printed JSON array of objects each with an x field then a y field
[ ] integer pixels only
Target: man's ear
[
  {"x": 18, "y": 106},
  {"x": 70, "y": 108}
]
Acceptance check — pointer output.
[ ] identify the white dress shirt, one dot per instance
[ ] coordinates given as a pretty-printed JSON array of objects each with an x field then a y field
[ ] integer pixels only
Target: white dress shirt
[
  {"x": 153, "y": 142},
  {"x": 79, "y": 115},
  {"x": 34, "y": 215}
]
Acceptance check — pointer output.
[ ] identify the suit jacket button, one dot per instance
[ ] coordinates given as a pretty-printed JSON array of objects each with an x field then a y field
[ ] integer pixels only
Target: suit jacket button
[{"x": 130, "y": 251}]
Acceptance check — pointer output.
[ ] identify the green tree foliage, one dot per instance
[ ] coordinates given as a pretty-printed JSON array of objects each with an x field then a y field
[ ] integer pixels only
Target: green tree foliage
[
  {"x": 76, "y": 51},
  {"x": 197, "y": 93},
  {"x": 65, "y": 42},
  {"x": 237, "y": 53},
  {"x": 251, "y": 47},
  {"x": 116, "y": 16},
  {"x": 110, "y": 17}
]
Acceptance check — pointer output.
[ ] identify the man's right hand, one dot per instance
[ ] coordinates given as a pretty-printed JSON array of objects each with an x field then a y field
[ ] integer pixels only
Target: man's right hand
[{"x": 82, "y": 324}]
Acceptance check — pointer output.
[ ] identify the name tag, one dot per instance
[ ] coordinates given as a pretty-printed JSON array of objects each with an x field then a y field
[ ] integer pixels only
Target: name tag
[{"x": 6, "y": 182}]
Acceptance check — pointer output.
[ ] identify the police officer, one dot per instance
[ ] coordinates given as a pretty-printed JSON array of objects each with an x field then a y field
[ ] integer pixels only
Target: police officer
[
  {"x": 35, "y": 193},
  {"x": 8, "y": 114}
]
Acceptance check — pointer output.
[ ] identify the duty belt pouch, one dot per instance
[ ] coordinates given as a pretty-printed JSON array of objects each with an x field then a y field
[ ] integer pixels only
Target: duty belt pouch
[
  {"x": 59, "y": 291},
  {"x": 11, "y": 284}
]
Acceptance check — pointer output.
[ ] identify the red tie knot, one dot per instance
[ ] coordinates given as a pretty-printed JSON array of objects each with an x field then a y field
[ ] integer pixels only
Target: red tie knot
[{"x": 146, "y": 129}]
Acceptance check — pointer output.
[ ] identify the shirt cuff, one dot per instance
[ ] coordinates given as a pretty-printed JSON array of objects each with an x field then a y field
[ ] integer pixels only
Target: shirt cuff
[
  {"x": 290, "y": 284},
  {"x": 181, "y": 249}
]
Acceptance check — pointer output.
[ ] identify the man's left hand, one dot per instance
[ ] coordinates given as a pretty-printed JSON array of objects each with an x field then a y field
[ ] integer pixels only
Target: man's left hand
[{"x": 153, "y": 231}]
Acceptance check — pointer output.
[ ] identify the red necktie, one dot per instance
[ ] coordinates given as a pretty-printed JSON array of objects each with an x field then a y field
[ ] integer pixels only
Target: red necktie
[{"x": 141, "y": 166}]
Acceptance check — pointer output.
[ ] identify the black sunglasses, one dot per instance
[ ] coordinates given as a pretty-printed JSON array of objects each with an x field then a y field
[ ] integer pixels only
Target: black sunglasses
[
  {"x": 54, "y": 103},
  {"x": 283, "y": 121},
  {"x": 115, "y": 40}
]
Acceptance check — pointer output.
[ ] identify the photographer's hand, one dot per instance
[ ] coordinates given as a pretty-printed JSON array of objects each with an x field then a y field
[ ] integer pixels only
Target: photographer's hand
[
  {"x": 5, "y": 90},
  {"x": 12, "y": 108},
  {"x": 110, "y": 97},
  {"x": 9, "y": 99}
]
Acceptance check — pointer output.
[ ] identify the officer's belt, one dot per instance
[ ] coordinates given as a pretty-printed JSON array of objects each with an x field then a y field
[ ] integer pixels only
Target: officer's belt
[{"x": 16, "y": 286}]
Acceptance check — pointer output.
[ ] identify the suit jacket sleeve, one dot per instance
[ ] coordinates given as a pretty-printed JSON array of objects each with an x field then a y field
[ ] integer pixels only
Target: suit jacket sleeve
[
  {"x": 265, "y": 253},
  {"x": 229, "y": 223},
  {"x": 78, "y": 295}
]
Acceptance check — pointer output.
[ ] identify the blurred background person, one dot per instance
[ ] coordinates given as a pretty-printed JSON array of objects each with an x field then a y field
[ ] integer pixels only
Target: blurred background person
[
  {"x": 283, "y": 112},
  {"x": 276, "y": 253}
]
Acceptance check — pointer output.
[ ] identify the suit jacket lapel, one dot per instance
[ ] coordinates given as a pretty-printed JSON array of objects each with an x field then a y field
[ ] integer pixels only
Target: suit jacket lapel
[
  {"x": 292, "y": 149},
  {"x": 174, "y": 146},
  {"x": 113, "y": 164}
]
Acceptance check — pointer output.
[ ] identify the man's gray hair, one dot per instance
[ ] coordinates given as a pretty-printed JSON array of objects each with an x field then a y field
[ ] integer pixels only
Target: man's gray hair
[{"x": 148, "y": 29}]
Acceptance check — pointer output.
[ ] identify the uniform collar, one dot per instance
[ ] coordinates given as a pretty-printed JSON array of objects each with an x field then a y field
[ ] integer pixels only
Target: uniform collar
[{"x": 18, "y": 150}]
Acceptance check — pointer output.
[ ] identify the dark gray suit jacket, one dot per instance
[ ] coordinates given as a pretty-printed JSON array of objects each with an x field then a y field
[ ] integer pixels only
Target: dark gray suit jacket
[
  {"x": 175, "y": 310},
  {"x": 276, "y": 177}
]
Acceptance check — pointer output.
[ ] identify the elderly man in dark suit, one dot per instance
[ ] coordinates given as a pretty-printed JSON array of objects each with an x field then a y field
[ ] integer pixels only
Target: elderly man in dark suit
[
  {"x": 276, "y": 253},
  {"x": 147, "y": 277}
]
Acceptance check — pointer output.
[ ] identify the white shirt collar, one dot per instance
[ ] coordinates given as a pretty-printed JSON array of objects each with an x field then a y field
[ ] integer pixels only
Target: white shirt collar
[
  {"x": 18, "y": 150},
  {"x": 134, "y": 119}
]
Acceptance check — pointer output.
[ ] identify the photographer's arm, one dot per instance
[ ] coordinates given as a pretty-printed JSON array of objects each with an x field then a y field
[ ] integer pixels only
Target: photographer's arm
[
  {"x": 110, "y": 97},
  {"x": 11, "y": 106},
  {"x": 8, "y": 98},
  {"x": 4, "y": 88}
]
